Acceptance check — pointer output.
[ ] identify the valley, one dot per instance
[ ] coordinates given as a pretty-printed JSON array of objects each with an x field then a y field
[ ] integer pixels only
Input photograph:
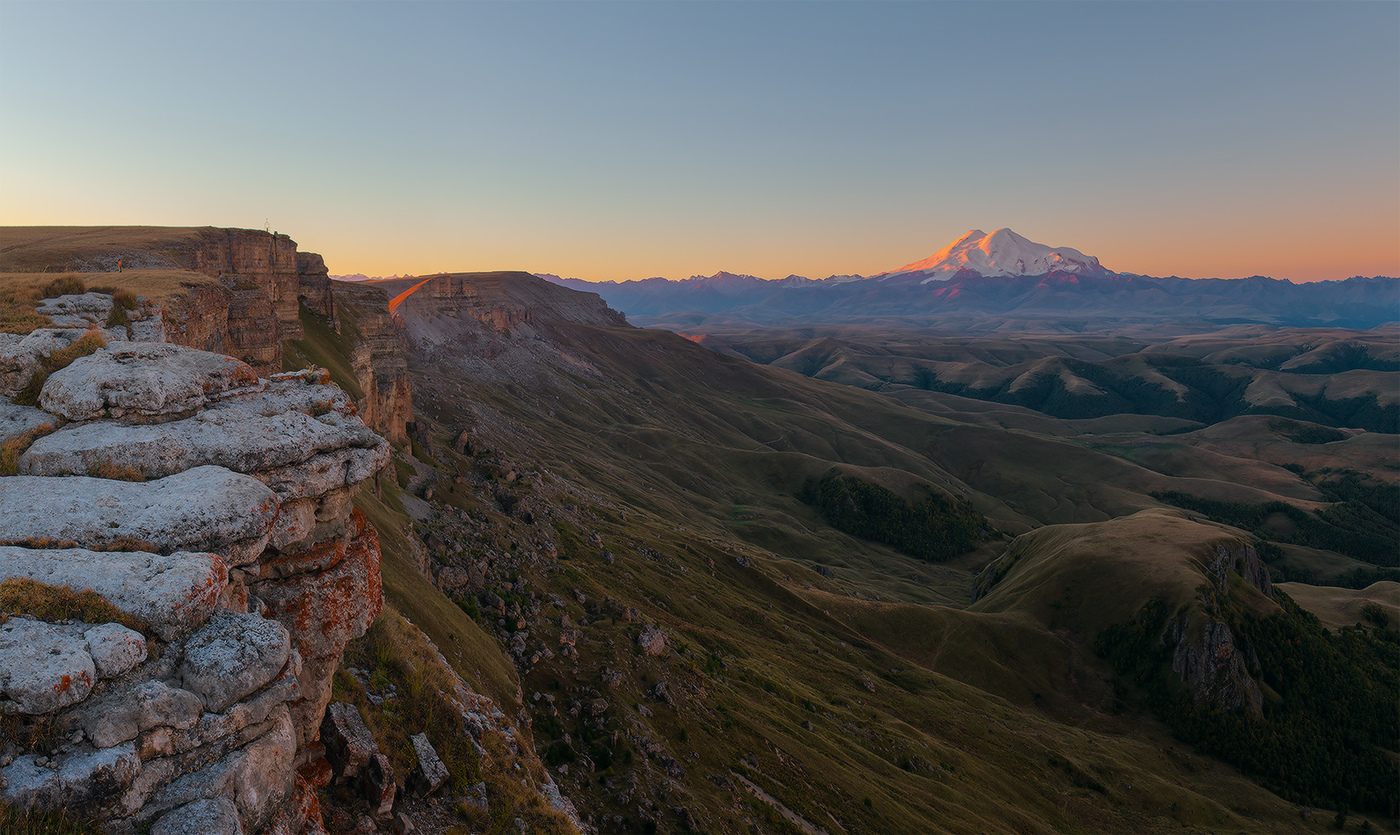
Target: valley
[{"x": 692, "y": 568}]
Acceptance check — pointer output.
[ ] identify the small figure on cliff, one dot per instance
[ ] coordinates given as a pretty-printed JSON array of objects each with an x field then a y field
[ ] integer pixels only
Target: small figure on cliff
[{"x": 119, "y": 265}]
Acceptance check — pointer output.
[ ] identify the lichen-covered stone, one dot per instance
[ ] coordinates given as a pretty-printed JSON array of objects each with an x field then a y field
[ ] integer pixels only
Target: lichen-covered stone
[
  {"x": 231, "y": 656},
  {"x": 43, "y": 667},
  {"x": 212, "y": 816},
  {"x": 324, "y": 609},
  {"x": 430, "y": 774},
  {"x": 18, "y": 421},
  {"x": 171, "y": 592},
  {"x": 126, "y": 712},
  {"x": 203, "y": 509},
  {"x": 257, "y": 777}
]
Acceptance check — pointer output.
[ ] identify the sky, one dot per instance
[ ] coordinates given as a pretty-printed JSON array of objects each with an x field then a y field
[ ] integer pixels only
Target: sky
[{"x": 624, "y": 140}]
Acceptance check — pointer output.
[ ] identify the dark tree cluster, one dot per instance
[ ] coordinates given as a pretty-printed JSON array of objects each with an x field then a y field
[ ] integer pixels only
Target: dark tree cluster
[
  {"x": 1364, "y": 522},
  {"x": 935, "y": 528},
  {"x": 1330, "y": 729}
]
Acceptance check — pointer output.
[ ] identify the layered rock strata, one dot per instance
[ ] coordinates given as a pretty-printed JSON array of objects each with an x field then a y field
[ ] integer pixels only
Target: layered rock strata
[{"x": 232, "y": 543}]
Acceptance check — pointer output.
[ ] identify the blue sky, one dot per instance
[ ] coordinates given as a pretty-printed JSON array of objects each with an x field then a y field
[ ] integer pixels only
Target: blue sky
[{"x": 622, "y": 140}]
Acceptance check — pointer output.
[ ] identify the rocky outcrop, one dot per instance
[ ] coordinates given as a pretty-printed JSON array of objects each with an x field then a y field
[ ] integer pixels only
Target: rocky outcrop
[
  {"x": 1212, "y": 663},
  {"x": 266, "y": 260},
  {"x": 233, "y": 541}
]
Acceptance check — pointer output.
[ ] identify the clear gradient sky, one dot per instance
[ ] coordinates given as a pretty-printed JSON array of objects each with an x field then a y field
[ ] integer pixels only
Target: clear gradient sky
[{"x": 625, "y": 140}]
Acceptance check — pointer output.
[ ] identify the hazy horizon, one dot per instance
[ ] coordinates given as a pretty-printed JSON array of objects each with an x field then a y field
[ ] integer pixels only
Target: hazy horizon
[{"x": 617, "y": 141}]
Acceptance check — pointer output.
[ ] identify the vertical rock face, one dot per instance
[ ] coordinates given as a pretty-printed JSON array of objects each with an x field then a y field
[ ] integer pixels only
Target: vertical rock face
[
  {"x": 315, "y": 285},
  {"x": 254, "y": 307},
  {"x": 242, "y": 554},
  {"x": 267, "y": 259},
  {"x": 381, "y": 366}
]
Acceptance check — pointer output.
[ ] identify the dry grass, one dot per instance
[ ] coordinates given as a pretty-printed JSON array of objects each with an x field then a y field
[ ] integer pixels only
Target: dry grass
[
  {"x": 17, "y": 821},
  {"x": 11, "y": 450},
  {"x": 22, "y": 596}
]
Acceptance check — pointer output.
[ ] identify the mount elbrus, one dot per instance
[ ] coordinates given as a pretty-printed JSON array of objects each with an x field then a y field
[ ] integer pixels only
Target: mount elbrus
[{"x": 833, "y": 575}]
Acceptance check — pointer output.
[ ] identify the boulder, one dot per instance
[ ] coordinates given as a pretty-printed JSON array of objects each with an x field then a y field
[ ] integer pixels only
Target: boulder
[
  {"x": 144, "y": 379},
  {"x": 20, "y": 354},
  {"x": 213, "y": 816},
  {"x": 652, "y": 641},
  {"x": 114, "y": 648},
  {"x": 348, "y": 742},
  {"x": 203, "y": 509},
  {"x": 232, "y": 656},
  {"x": 173, "y": 593},
  {"x": 377, "y": 784},
  {"x": 430, "y": 774}
]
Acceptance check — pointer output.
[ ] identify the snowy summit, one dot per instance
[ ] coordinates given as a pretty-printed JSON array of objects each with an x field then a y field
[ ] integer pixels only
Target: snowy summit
[{"x": 1002, "y": 253}]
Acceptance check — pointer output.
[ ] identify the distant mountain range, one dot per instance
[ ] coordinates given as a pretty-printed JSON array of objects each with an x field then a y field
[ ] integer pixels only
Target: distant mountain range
[{"x": 1001, "y": 276}]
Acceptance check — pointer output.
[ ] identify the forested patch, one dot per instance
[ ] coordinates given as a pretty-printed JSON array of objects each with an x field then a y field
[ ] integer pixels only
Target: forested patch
[
  {"x": 935, "y": 528},
  {"x": 1363, "y": 523},
  {"x": 1329, "y": 731}
]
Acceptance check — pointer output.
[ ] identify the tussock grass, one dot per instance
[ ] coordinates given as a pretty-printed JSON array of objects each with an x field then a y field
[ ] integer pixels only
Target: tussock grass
[
  {"x": 17, "y": 821},
  {"x": 22, "y": 596}
]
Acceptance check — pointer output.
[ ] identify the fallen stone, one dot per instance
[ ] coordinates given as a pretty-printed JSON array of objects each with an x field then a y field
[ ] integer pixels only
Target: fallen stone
[
  {"x": 284, "y": 447},
  {"x": 232, "y": 656},
  {"x": 212, "y": 816},
  {"x": 430, "y": 774},
  {"x": 44, "y": 667},
  {"x": 652, "y": 641},
  {"x": 349, "y": 745},
  {"x": 377, "y": 784},
  {"x": 75, "y": 781},
  {"x": 18, "y": 421},
  {"x": 171, "y": 592},
  {"x": 145, "y": 379},
  {"x": 203, "y": 509},
  {"x": 114, "y": 648},
  {"x": 294, "y": 392}
]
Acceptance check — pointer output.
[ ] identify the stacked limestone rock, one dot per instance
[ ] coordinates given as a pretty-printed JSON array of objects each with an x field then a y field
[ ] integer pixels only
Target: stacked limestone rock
[{"x": 233, "y": 537}]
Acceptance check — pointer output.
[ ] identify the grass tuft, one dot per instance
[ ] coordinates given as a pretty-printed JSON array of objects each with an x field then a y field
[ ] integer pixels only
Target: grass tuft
[{"x": 22, "y": 596}]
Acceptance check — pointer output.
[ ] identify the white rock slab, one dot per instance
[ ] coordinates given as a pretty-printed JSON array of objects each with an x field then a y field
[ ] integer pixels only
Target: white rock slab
[
  {"x": 142, "y": 378},
  {"x": 203, "y": 509},
  {"x": 17, "y": 421},
  {"x": 77, "y": 311},
  {"x": 173, "y": 593},
  {"x": 123, "y": 713},
  {"x": 235, "y": 439}
]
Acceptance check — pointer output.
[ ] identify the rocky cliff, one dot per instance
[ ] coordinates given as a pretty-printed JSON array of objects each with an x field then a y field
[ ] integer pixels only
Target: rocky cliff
[{"x": 213, "y": 510}]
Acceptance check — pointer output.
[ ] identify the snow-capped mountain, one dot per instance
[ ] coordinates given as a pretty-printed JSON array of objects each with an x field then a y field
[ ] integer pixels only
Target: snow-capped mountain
[{"x": 1002, "y": 253}]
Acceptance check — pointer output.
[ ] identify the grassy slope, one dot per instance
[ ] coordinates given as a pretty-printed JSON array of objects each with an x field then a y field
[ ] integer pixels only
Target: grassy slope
[{"x": 702, "y": 456}]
